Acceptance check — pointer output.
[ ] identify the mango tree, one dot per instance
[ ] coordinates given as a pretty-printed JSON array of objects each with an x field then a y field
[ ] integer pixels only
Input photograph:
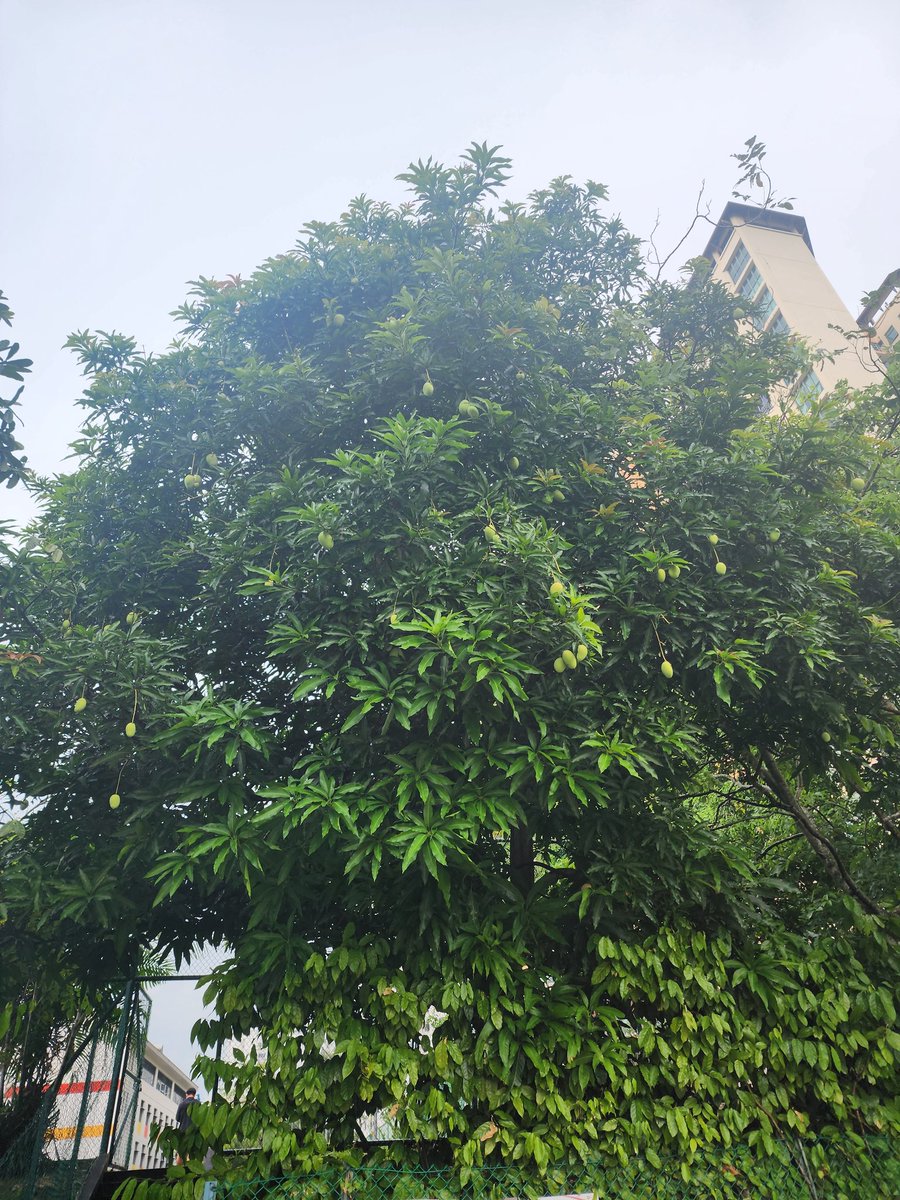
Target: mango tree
[{"x": 441, "y": 626}]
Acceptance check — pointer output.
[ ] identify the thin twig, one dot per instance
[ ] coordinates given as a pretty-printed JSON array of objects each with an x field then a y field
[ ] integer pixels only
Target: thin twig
[{"x": 781, "y": 842}]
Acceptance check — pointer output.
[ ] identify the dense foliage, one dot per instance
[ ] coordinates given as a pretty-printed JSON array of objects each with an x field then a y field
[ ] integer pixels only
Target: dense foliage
[
  {"x": 441, "y": 626},
  {"x": 12, "y": 367}
]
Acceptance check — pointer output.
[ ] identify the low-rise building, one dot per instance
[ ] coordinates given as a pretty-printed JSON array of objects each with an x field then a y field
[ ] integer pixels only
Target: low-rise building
[
  {"x": 83, "y": 1107},
  {"x": 881, "y": 315},
  {"x": 163, "y": 1085}
]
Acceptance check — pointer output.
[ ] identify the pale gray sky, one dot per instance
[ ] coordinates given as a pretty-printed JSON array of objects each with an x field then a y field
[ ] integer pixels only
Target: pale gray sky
[
  {"x": 145, "y": 144},
  {"x": 174, "y": 1007}
]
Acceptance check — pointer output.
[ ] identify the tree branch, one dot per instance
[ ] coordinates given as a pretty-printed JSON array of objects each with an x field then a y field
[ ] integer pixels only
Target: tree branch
[
  {"x": 698, "y": 216},
  {"x": 774, "y": 845},
  {"x": 817, "y": 840}
]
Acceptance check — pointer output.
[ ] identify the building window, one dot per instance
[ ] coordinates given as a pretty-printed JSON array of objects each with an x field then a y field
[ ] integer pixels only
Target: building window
[
  {"x": 178, "y": 1093},
  {"x": 765, "y": 306},
  {"x": 806, "y": 391},
  {"x": 148, "y": 1072},
  {"x": 780, "y": 325},
  {"x": 164, "y": 1084},
  {"x": 891, "y": 334},
  {"x": 738, "y": 262},
  {"x": 752, "y": 283}
]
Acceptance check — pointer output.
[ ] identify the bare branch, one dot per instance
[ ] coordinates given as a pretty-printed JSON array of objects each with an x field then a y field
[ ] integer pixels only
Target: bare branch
[{"x": 698, "y": 217}]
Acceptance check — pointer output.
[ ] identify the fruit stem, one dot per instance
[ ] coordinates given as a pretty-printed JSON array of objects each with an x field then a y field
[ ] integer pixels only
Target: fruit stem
[
  {"x": 662, "y": 651},
  {"x": 134, "y": 709}
]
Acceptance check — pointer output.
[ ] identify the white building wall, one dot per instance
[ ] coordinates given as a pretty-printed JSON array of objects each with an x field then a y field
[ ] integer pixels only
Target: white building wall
[
  {"x": 887, "y": 329},
  {"x": 163, "y": 1085},
  {"x": 81, "y": 1108},
  {"x": 809, "y": 304}
]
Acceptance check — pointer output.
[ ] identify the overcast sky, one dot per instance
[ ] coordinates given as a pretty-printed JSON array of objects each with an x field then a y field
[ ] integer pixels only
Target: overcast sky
[{"x": 143, "y": 145}]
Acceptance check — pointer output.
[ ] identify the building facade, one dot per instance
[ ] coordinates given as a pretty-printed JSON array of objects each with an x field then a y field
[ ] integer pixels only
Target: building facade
[
  {"x": 163, "y": 1085},
  {"x": 86, "y": 1107},
  {"x": 881, "y": 314},
  {"x": 765, "y": 257}
]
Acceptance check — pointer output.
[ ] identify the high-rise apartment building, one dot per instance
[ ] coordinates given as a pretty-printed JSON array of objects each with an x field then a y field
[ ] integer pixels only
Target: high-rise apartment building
[{"x": 766, "y": 257}]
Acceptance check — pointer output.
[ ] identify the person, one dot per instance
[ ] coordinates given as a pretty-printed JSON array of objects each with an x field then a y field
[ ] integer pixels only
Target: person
[
  {"x": 183, "y": 1112},
  {"x": 183, "y": 1116}
]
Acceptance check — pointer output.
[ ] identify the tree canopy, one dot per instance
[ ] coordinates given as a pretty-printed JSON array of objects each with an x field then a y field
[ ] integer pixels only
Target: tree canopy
[{"x": 443, "y": 625}]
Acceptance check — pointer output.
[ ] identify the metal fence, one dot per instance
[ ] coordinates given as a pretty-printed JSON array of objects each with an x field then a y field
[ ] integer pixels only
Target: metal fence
[
  {"x": 821, "y": 1170},
  {"x": 87, "y": 1115}
]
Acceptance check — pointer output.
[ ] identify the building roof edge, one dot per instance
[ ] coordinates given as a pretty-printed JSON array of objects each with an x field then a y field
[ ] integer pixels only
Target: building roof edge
[
  {"x": 876, "y": 300},
  {"x": 735, "y": 215},
  {"x": 179, "y": 1075}
]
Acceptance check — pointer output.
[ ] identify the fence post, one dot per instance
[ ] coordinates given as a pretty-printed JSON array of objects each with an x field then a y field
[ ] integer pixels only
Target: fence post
[
  {"x": 115, "y": 1073},
  {"x": 215, "y": 1087},
  {"x": 85, "y": 1097}
]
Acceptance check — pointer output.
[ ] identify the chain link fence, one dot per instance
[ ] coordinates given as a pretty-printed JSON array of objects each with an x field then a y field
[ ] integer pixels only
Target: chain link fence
[
  {"x": 87, "y": 1112},
  {"x": 821, "y": 1170}
]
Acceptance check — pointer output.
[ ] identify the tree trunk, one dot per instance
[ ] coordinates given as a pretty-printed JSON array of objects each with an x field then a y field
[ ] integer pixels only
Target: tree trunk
[{"x": 521, "y": 860}]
